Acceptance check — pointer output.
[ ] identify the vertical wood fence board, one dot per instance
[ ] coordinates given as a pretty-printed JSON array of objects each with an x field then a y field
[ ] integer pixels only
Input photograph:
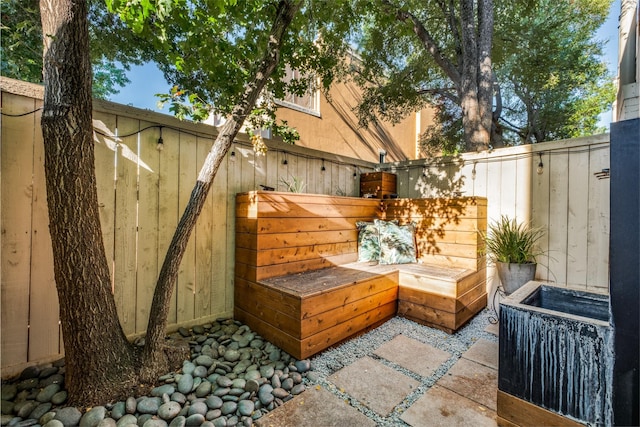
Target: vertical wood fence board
[
  {"x": 508, "y": 189},
  {"x": 260, "y": 170},
  {"x": 292, "y": 170},
  {"x": 599, "y": 221},
  {"x": 464, "y": 176},
  {"x": 283, "y": 172},
  {"x": 217, "y": 240},
  {"x": 17, "y": 188},
  {"x": 540, "y": 215},
  {"x": 344, "y": 179},
  {"x": 480, "y": 183},
  {"x": 168, "y": 209},
  {"x": 522, "y": 190},
  {"x": 494, "y": 210},
  {"x": 303, "y": 165},
  {"x": 147, "y": 264},
  {"x": 125, "y": 224},
  {"x": 558, "y": 209},
  {"x": 272, "y": 168},
  {"x": 315, "y": 176},
  {"x": 325, "y": 186},
  {"x": 203, "y": 242},
  {"x": 403, "y": 183},
  {"x": 247, "y": 169},
  {"x": 105, "y": 161},
  {"x": 494, "y": 183},
  {"x": 577, "y": 216},
  {"x": 420, "y": 182},
  {"x": 44, "y": 337},
  {"x": 186, "y": 288},
  {"x": 232, "y": 189}
]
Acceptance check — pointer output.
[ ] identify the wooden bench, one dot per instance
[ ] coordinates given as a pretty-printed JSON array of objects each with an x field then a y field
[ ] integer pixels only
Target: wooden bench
[{"x": 298, "y": 284}]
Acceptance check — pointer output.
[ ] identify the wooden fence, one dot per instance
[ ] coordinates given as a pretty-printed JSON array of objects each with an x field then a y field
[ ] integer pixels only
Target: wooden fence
[
  {"x": 568, "y": 196},
  {"x": 142, "y": 192}
]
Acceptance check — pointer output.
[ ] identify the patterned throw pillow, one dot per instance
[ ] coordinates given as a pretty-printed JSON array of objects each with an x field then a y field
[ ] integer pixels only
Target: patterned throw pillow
[
  {"x": 397, "y": 243},
  {"x": 368, "y": 241}
]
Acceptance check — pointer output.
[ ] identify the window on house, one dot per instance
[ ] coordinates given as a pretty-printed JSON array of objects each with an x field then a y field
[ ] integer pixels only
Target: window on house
[{"x": 309, "y": 102}]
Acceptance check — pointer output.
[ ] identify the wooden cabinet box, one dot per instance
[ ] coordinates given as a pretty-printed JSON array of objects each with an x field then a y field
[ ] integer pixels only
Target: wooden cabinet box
[{"x": 381, "y": 184}]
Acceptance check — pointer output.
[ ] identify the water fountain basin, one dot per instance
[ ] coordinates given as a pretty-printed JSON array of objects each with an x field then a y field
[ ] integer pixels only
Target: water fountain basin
[{"x": 556, "y": 351}]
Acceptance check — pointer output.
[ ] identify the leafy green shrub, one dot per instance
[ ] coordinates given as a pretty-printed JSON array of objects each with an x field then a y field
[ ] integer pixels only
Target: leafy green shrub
[{"x": 508, "y": 241}]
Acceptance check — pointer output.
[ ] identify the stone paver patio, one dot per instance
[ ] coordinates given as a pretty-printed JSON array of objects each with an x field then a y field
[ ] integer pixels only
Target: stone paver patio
[{"x": 464, "y": 396}]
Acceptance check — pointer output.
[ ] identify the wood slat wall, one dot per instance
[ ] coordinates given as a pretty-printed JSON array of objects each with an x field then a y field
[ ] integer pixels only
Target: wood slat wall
[{"x": 141, "y": 192}]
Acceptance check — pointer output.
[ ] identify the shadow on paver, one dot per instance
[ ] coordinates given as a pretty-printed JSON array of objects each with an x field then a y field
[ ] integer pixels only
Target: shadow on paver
[
  {"x": 315, "y": 407},
  {"x": 442, "y": 407}
]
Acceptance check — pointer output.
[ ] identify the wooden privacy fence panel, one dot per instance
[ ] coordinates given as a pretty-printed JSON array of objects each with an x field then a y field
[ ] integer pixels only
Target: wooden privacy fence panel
[
  {"x": 141, "y": 193},
  {"x": 568, "y": 198}
]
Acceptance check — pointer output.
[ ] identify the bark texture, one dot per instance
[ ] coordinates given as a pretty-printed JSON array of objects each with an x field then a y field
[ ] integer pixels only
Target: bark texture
[
  {"x": 153, "y": 350},
  {"x": 100, "y": 362}
]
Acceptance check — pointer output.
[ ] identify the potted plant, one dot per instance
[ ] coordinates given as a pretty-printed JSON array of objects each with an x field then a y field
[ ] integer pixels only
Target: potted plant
[{"x": 511, "y": 246}]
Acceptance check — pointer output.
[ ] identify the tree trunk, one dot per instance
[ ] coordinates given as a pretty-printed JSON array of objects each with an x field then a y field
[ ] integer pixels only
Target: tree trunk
[
  {"x": 485, "y": 72},
  {"x": 100, "y": 362},
  {"x": 472, "y": 76},
  {"x": 153, "y": 350},
  {"x": 475, "y": 88}
]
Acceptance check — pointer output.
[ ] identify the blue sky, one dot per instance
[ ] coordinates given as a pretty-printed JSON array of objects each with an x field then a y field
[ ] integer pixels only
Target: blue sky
[{"x": 147, "y": 80}]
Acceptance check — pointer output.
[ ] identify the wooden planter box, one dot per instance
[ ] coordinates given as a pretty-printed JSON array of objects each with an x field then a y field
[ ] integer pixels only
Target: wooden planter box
[{"x": 381, "y": 184}]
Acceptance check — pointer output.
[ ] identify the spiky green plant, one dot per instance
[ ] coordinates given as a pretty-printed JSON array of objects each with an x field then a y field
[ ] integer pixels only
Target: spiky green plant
[
  {"x": 293, "y": 185},
  {"x": 509, "y": 241}
]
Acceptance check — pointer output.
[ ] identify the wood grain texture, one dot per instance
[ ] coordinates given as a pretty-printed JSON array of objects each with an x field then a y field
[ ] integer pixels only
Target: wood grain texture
[
  {"x": 296, "y": 283},
  {"x": 44, "y": 333},
  {"x": 126, "y": 223},
  {"x": 17, "y": 189},
  {"x": 521, "y": 413}
]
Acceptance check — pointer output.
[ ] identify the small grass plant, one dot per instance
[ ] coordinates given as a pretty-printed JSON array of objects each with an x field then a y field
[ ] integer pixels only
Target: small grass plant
[
  {"x": 294, "y": 184},
  {"x": 508, "y": 241}
]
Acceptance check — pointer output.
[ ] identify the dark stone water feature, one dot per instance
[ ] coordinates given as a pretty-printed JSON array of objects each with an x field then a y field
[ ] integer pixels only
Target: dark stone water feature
[{"x": 555, "y": 353}]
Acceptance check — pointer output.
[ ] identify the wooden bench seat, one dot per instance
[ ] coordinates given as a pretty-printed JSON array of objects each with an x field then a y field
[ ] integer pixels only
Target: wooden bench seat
[
  {"x": 296, "y": 282},
  {"x": 304, "y": 313},
  {"x": 445, "y": 298}
]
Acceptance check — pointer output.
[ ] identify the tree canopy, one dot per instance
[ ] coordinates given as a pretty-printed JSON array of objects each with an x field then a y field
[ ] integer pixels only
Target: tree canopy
[
  {"x": 415, "y": 52},
  {"x": 547, "y": 63},
  {"x": 548, "y": 79},
  {"x": 112, "y": 51}
]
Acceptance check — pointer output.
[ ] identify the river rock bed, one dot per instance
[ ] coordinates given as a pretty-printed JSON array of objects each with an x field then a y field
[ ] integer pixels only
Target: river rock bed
[{"x": 233, "y": 378}]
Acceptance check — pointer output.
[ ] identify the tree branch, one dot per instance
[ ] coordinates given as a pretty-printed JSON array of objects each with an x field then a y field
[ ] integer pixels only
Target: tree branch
[
  {"x": 446, "y": 92},
  {"x": 427, "y": 40},
  {"x": 169, "y": 271}
]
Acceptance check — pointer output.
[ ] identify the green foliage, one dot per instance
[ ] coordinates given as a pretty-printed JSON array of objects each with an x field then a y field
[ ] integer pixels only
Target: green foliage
[
  {"x": 444, "y": 137},
  {"x": 209, "y": 51},
  {"x": 547, "y": 63},
  {"x": 545, "y": 59},
  {"x": 21, "y": 40},
  {"x": 293, "y": 184},
  {"x": 511, "y": 242},
  {"x": 113, "y": 46}
]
